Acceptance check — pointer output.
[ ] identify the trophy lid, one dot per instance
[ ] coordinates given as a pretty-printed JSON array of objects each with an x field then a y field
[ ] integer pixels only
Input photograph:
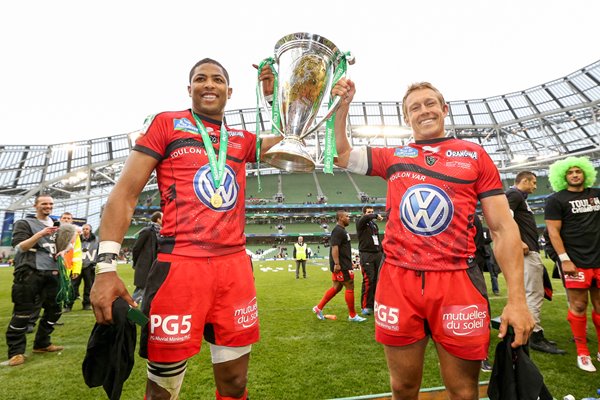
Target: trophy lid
[{"x": 307, "y": 40}]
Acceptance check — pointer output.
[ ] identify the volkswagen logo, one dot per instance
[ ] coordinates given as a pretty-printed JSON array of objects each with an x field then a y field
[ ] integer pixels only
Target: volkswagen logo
[
  {"x": 204, "y": 189},
  {"x": 426, "y": 210}
]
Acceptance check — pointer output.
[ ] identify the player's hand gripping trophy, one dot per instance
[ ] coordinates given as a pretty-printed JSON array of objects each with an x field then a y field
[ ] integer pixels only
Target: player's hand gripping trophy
[{"x": 308, "y": 66}]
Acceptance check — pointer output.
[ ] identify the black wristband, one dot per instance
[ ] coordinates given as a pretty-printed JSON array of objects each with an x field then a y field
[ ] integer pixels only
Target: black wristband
[{"x": 106, "y": 258}]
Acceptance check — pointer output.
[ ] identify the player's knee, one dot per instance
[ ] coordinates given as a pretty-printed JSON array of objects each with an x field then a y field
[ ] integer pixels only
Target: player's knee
[
  {"x": 578, "y": 306},
  {"x": 462, "y": 393},
  {"x": 232, "y": 384},
  {"x": 231, "y": 369},
  {"x": 165, "y": 380},
  {"x": 234, "y": 387},
  {"x": 403, "y": 389}
]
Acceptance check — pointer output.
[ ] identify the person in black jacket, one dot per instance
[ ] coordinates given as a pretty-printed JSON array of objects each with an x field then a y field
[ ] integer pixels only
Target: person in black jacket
[
  {"x": 490, "y": 260},
  {"x": 369, "y": 247},
  {"x": 36, "y": 275},
  {"x": 526, "y": 184},
  {"x": 144, "y": 253},
  {"x": 481, "y": 258},
  {"x": 89, "y": 249}
]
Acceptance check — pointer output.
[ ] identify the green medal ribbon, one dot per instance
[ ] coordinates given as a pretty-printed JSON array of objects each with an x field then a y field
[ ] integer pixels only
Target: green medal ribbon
[
  {"x": 330, "y": 151},
  {"x": 217, "y": 167},
  {"x": 275, "y": 113}
]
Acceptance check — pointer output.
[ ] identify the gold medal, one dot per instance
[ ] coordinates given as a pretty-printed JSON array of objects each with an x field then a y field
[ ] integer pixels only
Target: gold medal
[{"x": 216, "y": 200}]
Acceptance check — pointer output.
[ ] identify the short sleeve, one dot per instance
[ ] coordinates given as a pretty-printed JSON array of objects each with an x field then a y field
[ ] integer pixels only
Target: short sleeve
[
  {"x": 514, "y": 199},
  {"x": 337, "y": 237},
  {"x": 154, "y": 138},
  {"x": 488, "y": 182},
  {"x": 552, "y": 210}
]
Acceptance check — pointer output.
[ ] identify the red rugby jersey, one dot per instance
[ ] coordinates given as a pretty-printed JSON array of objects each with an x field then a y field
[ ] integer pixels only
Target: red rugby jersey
[
  {"x": 191, "y": 225},
  {"x": 432, "y": 192}
]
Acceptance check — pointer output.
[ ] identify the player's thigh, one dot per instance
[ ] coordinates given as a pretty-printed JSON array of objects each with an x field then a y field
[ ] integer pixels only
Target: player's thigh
[
  {"x": 459, "y": 317},
  {"x": 460, "y": 376},
  {"x": 405, "y": 364},
  {"x": 233, "y": 318}
]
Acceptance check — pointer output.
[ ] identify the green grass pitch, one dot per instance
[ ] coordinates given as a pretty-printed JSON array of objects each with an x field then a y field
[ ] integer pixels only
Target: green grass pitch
[{"x": 298, "y": 357}]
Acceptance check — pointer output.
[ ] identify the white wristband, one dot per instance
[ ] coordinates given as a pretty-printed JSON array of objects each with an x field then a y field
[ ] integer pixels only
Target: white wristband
[
  {"x": 564, "y": 257},
  {"x": 107, "y": 246}
]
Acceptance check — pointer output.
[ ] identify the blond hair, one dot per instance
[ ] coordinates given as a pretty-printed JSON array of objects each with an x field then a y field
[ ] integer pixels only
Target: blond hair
[{"x": 419, "y": 86}]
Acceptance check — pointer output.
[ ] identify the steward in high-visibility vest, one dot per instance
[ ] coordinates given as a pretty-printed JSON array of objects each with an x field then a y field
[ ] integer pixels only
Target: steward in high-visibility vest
[{"x": 300, "y": 256}]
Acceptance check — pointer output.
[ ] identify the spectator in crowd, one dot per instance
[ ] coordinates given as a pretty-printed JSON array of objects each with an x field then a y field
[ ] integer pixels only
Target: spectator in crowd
[
  {"x": 526, "y": 184},
  {"x": 480, "y": 259},
  {"x": 72, "y": 259},
  {"x": 280, "y": 228},
  {"x": 35, "y": 276},
  {"x": 429, "y": 274},
  {"x": 490, "y": 264},
  {"x": 369, "y": 248},
  {"x": 572, "y": 217},
  {"x": 340, "y": 265},
  {"x": 89, "y": 250},
  {"x": 300, "y": 253},
  {"x": 202, "y": 198},
  {"x": 144, "y": 251}
]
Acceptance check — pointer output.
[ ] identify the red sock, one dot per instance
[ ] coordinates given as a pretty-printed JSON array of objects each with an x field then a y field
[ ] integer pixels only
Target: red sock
[
  {"x": 578, "y": 327},
  {"x": 349, "y": 296},
  {"x": 330, "y": 294},
  {"x": 219, "y": 397},
  {"x": 596, "y": 319}
]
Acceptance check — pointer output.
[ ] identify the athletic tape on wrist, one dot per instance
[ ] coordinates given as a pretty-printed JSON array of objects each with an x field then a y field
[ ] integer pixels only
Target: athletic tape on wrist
[
  {"x": 564, "y": 257},
  {"x": 108, "y": 247},
  {"x": 102, "y": 267}
]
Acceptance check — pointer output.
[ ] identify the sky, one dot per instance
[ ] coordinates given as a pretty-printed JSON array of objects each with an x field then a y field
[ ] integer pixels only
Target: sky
[{"x": 77, "y": 70}]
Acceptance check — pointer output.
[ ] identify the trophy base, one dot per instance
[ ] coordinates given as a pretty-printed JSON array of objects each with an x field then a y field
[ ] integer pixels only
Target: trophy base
[{"x": 289, "y": 155}]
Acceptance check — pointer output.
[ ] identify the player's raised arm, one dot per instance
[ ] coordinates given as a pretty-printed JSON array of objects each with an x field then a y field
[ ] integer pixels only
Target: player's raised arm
[{"x": 345, "y": 89}]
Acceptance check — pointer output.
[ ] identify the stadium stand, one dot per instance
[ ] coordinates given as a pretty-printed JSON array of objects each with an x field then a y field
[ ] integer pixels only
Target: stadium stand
[
  {"x": 269, "y": 184},
  {"x": 373, "y": 188},
  {"x": 300, "y": 188},
  {"x": 337, "y": 188},
  {"x": 527, "y": 129}
]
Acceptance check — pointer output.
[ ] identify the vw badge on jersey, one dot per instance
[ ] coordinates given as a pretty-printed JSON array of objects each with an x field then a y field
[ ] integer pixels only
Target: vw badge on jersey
[
  {"x": 228, "y": 192},
  {"x": 426, "y": 210}
]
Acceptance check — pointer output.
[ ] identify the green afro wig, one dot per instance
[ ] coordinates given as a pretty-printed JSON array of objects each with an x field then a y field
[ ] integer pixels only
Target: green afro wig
[{"x": 558, "y": 171}]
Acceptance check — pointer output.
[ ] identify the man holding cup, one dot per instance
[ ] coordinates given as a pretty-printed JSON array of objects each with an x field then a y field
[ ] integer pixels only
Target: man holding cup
[
  {"x": 429, "y": 284},
  {"x": 202, "y": 270}
]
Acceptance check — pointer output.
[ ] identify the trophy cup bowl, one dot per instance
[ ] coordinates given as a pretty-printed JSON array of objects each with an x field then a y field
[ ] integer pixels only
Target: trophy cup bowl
[{"x": 305, "y": 66}]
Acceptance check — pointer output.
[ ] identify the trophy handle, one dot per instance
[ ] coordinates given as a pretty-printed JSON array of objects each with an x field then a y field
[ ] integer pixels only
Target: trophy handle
[
  {"x": 266, "y": 105},
  {"x": 334, "y": 105}
]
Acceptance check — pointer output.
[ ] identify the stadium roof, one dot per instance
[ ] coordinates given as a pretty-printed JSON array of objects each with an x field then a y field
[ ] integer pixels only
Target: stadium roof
[{"x": 525, "y": 129}]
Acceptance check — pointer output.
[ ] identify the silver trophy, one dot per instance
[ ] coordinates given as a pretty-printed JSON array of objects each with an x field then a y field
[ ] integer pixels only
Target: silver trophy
[{"x": 305, "y": 68}]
